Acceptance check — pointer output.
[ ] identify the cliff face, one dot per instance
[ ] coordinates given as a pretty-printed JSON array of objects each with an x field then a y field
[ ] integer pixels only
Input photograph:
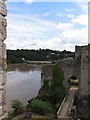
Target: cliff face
[{"x": 3, "y": 65}]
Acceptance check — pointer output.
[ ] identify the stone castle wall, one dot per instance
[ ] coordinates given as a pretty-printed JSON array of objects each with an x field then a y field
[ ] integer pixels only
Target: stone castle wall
[
  {"x": 89, "y": 69},
  {"x": 3, "y": 65},
  {"x": 78, "y": 68},
  {"x": 83, "y": 88}
]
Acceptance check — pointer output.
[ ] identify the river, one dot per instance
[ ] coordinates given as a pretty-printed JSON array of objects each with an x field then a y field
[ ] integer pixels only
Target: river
[{"x": 23, "y": 82}]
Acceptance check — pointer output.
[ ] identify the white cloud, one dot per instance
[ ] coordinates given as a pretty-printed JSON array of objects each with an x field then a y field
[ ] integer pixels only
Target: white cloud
[
  {"x": 70, "y": 35},
  {"x": 26, "y": 1},
  {"x": 70, "y": 10},
  {"x": 83, "y": 5},
  {"x": 70, "y": 15},
  {"x": 31, "y": 32},
  {"x": 75, "y": 36},
  {"x": 46, "y": 14},
  {"x": 65, "y": 15},
  {"x": 29, "y": 1},
  {"x": 60, "y": 15},
  {"x": 23, "y": 31},
  {"x": 64, "y": 26},
  {"x": 81, "y": 19}
]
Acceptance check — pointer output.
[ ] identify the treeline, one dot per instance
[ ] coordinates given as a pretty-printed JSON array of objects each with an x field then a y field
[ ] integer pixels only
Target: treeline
[{"x": 23, "y": 55}]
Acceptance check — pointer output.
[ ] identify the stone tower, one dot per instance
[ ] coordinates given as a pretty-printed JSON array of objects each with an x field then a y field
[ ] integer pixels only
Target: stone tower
[
  {"x": 81, "y": 55},
  {"x": 82, "y": 58},
  {"x": 3, "y": 65}
]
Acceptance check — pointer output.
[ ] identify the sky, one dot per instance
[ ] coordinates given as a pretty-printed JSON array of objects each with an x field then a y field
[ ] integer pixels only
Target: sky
[{"x": 46, "y": 25}]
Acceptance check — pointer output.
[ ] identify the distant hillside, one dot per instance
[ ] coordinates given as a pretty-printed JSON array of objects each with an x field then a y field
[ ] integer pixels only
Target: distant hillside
[{"x": 21, "y": 56}]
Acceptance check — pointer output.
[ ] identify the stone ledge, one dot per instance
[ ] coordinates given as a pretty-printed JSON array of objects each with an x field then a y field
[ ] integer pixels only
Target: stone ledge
[{"x": 3, "y": 10}]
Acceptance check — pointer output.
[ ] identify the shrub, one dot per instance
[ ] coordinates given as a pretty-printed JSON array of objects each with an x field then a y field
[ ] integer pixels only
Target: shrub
[
  {"x": 17, "y": 107},
  {"x": 41, "y": 107}
]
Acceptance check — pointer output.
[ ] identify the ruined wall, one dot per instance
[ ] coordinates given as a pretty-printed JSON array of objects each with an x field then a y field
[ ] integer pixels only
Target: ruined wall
[
  {"x": 79, "y": 68},
  {"x": 3, "y": 65},
  {"x": 89, "y": 80},
  {"x": 72, "y": 67},
  {"x": 83, "y": 84},
  {"x": 67, "y": 65},
  {"x": 81, "y": 59},
  {"x": 89, "y": 69}
]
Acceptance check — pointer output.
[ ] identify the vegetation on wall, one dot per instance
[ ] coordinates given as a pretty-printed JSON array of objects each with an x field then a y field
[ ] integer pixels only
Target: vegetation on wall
[
  {"x": 17, "y": 106},
  {"x": 52, "y": 94}
]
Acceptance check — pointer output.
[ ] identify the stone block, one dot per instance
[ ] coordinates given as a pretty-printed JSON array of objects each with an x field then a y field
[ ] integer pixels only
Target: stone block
[
  {"x": 3, "y": 0},
  {"x": 4, "y": 109},
  {"x": 4, "y": 77},
  {"x": 3, "y": 51},
  {"x": 1, "y": 36},
  {"x": 1, "y": 77},
  {"x": 4, "y": 88},
  {"x": 4, "y": 117},
  {"x": 3, "y": 10},
  {"x": 3, "y": 24},
  {"x": 4, "y": 97},
  {"x": 0, "y": 55},
  {"x": 0, "y": 50},
  {"x": 0, "y": 65},
  {"x": 1, "y": 97},
  {"x": 1, "y": 87},
  {"x": 0, "y": 110},
  {"x": 3, "y": 20},
  {"x": 4, "y": 64}
]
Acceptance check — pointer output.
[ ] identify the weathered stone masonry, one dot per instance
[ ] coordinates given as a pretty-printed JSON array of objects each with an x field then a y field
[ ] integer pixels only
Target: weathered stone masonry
[
  {"x": 3, "y": 65},
  {"x": 80, "y": 68}
]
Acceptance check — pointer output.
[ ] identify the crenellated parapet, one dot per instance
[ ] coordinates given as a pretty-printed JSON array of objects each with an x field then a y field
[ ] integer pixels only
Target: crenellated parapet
[{"x": 3, "y": 64}]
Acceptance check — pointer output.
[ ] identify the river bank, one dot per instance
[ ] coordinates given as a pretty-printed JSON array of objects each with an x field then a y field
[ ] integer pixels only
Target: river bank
[
  {"x": 49, "y": 96},
  {"x": 23, "y": 82}
]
